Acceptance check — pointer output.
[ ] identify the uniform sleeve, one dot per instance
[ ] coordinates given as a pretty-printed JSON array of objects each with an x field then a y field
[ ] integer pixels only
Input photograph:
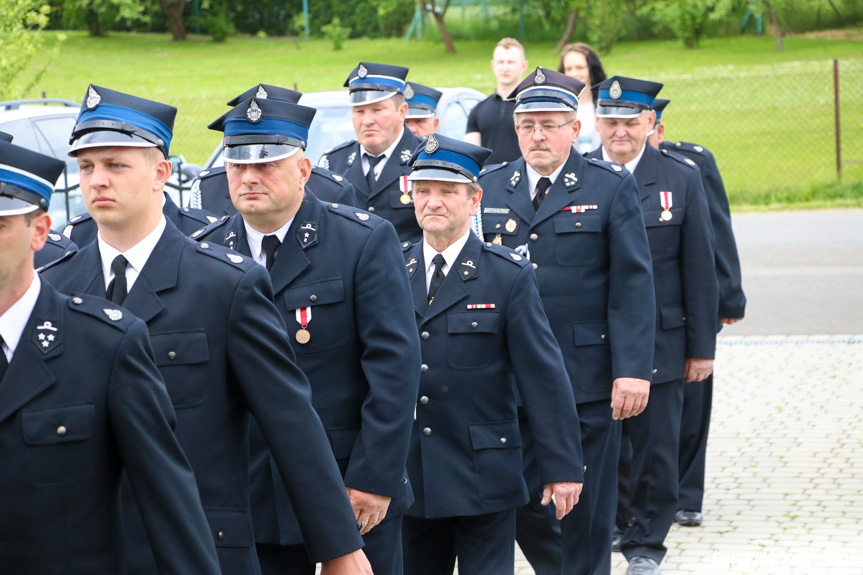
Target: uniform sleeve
[
  {"x": 347, "y": 195},
  {"x": 732, "y": 301},
  {"x": 698, "y": 262},
  {"x": 543, "y": 383},
  {"x": 390, "y": 361},
  {"x": 631, "y": 298},
  {"x": 143, "y": 420},
  {"x": 279, "y": 396}
]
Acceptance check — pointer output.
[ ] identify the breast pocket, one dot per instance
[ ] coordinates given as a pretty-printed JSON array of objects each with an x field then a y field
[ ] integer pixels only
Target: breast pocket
[
  {"x": 328, "y": 327},
  {"x": 497, "y": 459},
  {"x": 58, "y": 443},
  {"x": 471, "y": 339},
  {"x": 578, "y": 238},
  {"x": 503, "y": 224},
  {"x": 179, "y": 355},
  {"x": 663, "y": 235}
]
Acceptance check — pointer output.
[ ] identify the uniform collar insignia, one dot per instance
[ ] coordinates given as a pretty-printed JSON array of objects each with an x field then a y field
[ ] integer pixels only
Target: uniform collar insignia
[
  {"x": 406, "y": 155},
  {"x": 46, "y": 336},
  {"x": 515, "y": 178},
  {"x": 412, "y": 266},
  {"x": 467, "y": 269},
  {"x": 570, "y": 179},
  {"x": 307, "y": 234},
  {"x": 351, "y": 158}
]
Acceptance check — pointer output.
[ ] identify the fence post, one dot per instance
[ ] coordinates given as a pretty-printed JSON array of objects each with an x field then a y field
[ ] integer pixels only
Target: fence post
[{"x": 838, "y": 125}]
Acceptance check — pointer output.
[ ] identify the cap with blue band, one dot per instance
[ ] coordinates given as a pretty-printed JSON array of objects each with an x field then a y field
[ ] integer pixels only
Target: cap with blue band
[
  {"x": 621, "y": 97},
  {"x": 658, "y": 106},
  {"x": 26, "y": 179},
  {"x": 422, "y": 101},
  {"x": 111, "y": 118},
  {"x": 445, "y": 159},
  {"x": 370, "y": 82},
  {"x": 546, "y": 91},
  {"x": 268, "y": 92}
]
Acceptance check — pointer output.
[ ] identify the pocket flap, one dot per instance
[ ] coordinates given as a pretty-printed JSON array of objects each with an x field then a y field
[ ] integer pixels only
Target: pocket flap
[
  {"x": 504, "y": 224},
  {"x": 230, "y": 528},
  {"x": 672, "y": 317},
  {"x": 58, "y": 424},
  {"x": 495, "y": 435},
  {"x": 317, "y": 293},
  {"x": 180, "y": 348},
  {"x": 653, "y": 218},
  {"x": 590, "y": 333},
  {"x": 343, "y": 440},
  {"x": 479, "y": 322},
  {"x": 572, "y": 223}
]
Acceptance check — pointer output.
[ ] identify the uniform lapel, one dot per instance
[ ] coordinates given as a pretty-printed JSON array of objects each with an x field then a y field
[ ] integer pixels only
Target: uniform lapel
[
  {"x": 86, "y": 271},
  {"x": 160, "y": 273},
  {"x": 170, "y": 209},
  {"x": 519, "y": 200},
  {"x": 395, "y": 166},
  {"x": 415, "y": 267},
  {"x": 567, "y": 182},
  {"x": 453, "y": 290},
  {"x": 27, "y": 375},
  {"x": 291, "y": 260},
  {"x": 356, "y": 176},
  {"x": 645, "y": 172},
  {"x": 235, "y": 236}
]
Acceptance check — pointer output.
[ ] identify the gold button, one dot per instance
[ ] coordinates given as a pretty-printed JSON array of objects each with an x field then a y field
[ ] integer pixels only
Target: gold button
[
  {"x": 172, "y": 355},
  {"x": 61, "y": 431}
]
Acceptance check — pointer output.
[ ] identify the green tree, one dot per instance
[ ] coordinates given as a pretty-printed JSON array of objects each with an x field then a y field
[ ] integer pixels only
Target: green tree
[
  {"x": 99, "y": 16},
  {"x": 687, "y": 18},
  {"x": 21, "y": 38}
]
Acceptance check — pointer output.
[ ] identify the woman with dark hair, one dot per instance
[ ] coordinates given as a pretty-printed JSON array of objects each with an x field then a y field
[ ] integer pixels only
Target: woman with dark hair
[{"x": 582, "y": 62}]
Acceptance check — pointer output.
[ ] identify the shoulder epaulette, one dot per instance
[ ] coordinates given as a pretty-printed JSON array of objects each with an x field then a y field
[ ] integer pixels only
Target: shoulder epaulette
[
  {"x": 101, "y": 309},
  {"x": 66, "y": 256},
  {"x": 505, "y": 253},
  {"x": 223, "y": 254},
  {"x": 60, "y": 240},
  {"x": 612, "y": 167},
  {"x": 406, "y": 246},
  {"x": 330, "y": 175},
  {"x": 690, "y": 147},
  {"x": 209, "y": 173},
  {"x": 67, "y": 229},
  {"x": 209, "y": 228},
  {"x": 198, "y": 215},
  {"x": 492, "y": 168},
  {"x": 679, "y": 158},
  {"x": 341, "y": 146},
  {"x": 354, "y": 215}
]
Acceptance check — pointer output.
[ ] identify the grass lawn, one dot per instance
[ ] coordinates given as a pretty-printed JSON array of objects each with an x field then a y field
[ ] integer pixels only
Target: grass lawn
[{"x": 767, "y": 116}]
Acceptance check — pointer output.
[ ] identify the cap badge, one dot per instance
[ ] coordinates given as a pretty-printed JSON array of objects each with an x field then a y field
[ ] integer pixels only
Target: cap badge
[
  {"x": 409, "y": 92},
  {"x": 235, "y": 258},
  {"x": 431, "y": 144},
  {"x": 93, "y": 98},
  {"x": 362, "y": 72},
  {"x": 540, "y": 77},
  {"x": 254, "y": 113},
  {"x": 615, "y": 91},
  {"x": 261, "y": 93},
  {"x": 113, "y": 314}
]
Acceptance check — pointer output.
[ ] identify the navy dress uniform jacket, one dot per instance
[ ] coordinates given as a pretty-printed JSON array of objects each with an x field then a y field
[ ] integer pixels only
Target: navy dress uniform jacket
[
  {"x": 684, "y": 271},
  {"x": 732, "y": 301},
  {"x": 387, "y": 199},
  {"x": 220, "y": 345},
  {"x": 363, "y": 355},
  {"x": 466, "y": 456},
  {"x": 212, "y": 186},
  {"x": 80, "y": 402},
  {"x": 83, "y": 229},
  {"x": 56, "y": 246},
  {"x": 593, "y": 268}
]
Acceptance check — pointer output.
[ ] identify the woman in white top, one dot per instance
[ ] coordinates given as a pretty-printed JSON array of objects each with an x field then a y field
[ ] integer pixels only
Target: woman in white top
[{"x": 581, "y": 62}]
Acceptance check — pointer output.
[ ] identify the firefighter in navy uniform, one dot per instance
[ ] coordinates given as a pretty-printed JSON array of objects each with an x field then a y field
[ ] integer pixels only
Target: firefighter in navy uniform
[
  {"x": 486, "y": 343},
  {"x": 579, "y": 221},
  {"x": 681, "y": 240},
  {"x": 339, "y": 284},
  {"x": 376, "y": 163},
  {"x": 210, "y": 188},
  {"x": 422, "y": 102}
]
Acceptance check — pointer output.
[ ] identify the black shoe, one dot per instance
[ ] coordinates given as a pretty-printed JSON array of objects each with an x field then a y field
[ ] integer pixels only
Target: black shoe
[
  {"x": 615, "y": 539},
  {"x": 688, "y": 518},
  {"x": 642, "y": 566}
]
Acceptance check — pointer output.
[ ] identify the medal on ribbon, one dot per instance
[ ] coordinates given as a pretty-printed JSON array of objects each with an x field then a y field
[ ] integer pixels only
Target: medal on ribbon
[
  {"x": 405, "y": 187},
  {"x": 665, "y": 200},
  {"x": 304, "y": 316}
]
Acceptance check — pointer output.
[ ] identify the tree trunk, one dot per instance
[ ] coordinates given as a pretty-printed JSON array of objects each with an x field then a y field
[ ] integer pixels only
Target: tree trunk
[
  {"x": 173, "y": 10},
  {"x": 777, "y": 32},
  {"x": 571, "y": 21},
  {"x": 835, "y": 9},
  {"x": 441, "y": 25}
]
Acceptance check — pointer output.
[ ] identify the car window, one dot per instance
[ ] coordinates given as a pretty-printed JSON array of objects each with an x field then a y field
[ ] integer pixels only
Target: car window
[
  {"x": 53, "y": 133},
  {"x": 331, "y": 127},
  {"x": 23, "y": 133},
  {"x": 454, "y": 121}
]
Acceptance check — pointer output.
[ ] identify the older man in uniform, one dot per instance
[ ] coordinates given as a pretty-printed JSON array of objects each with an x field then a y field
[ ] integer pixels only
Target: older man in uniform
[
  {"x": 422, "y": 109},
  {"x": 376, "y": 163},
  {"x": 580, "y": 224},
  {"x": 218, "y": 340},
  {"x": 682, "y": 249},
  {"x": 486, "y": 343},
  {"x": 340, "y": 286},
  {"x": 698, "y": 399},
  {"x": 81, "y": 401},
  {"x": 210, "y": 188}
]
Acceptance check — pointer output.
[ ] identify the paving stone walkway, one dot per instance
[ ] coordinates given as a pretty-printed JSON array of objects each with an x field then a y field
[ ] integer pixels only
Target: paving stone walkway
[{"x": 785, "y": 463}]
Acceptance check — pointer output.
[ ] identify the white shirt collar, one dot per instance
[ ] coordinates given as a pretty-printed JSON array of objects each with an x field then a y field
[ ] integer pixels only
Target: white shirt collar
[
  {"x": 449, "y": 254},
  {"x": 255, "y": 239},
  {"x": 13, "y": 322},
  {"x": 533, "y": 176},
  {"x": 137, "y": 255},
  {"x": 631, "y": 164},
  {"x": 387, "y": 155}
]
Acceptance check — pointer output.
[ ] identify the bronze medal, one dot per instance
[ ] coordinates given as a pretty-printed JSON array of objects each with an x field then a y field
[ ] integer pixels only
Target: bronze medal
[
  {"x": 665, "y": 215},
  {"x": 497, "y": 240},
  {"x": 303, "y": 336},
  {"x": 405, "y": 199}
]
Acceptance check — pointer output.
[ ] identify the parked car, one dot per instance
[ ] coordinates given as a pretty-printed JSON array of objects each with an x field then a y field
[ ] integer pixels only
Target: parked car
[{"x": 332, "y": 124}]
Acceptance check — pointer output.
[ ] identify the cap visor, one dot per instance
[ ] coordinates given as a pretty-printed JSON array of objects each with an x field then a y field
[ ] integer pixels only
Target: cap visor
[
  {"x": 362, "y": 97},
  {"x": 259, "y": 153},
  {"x": 543, "y": 107},
  {"x": 619, "y": 111},
  {"x": 15, "y": 206},
  {"x": 438, "y": 175},
  {"x": 108, "y": 138}
]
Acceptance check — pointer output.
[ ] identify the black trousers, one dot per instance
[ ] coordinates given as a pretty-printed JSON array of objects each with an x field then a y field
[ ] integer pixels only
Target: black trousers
[
  {"x": 383, "y": 548},
  {"x": 694, "y": 428},
  {"x": 483, "y": 544},
  {"x": 653, "y": 473}
]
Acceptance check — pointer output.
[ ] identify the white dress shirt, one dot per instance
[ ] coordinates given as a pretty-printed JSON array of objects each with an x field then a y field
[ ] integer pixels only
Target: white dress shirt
[
  {"x": 256, "y": 239},
  {"x": 631, "y": 164},
  {"x": 449, "y": 255},
  {"x": 533, "y": 177},
  {"x": 137, "y": 255},
  {"x": 14, "y": 320},
  {"x": 387, "y": 155}
]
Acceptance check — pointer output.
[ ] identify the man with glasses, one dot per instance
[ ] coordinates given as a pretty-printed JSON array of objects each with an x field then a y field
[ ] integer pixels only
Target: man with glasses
[{"x": 580, "y": 224}]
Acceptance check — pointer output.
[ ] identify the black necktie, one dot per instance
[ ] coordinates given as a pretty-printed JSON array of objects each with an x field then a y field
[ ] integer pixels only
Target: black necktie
[
  {"x": 270, "y": 245},
  {"x": 117, "y": 288},
  {"x": 541, "y": 190},
  {"x": 3, "y": 362},
  {"x": 370, "y": 177},
  {"x": 437, "y": 277}
]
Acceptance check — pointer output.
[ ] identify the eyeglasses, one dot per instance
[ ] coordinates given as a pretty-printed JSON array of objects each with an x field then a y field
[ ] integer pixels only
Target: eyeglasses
[{"x": 548, "y": 129}]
